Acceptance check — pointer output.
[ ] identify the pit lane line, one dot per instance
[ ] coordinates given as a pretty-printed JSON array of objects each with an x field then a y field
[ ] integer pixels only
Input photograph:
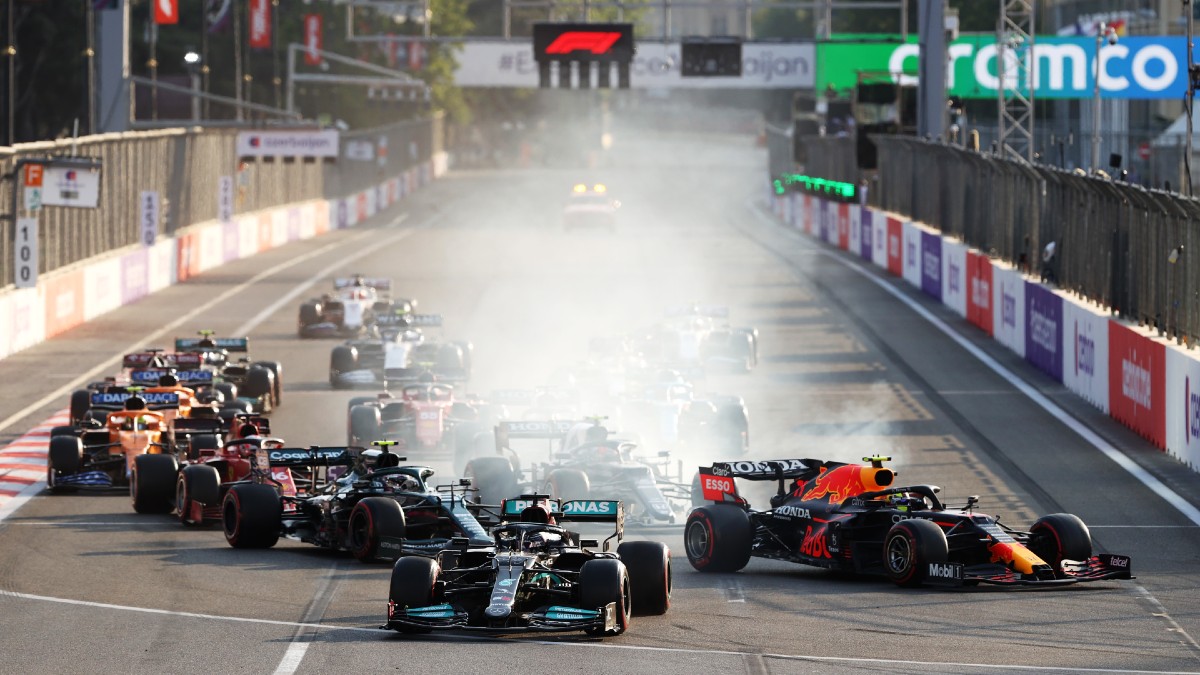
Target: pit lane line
[
  {"x": 25, "y": 495},
  {"x": 303, "y": 626},
  {"x": 1091, "y": 437},
  {"x": 303, "y": 636}
]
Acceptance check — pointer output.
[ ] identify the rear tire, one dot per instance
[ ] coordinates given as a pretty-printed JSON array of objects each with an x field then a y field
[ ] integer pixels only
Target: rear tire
[
  {"x": 310, "y": 313},
  {"x": 81, "y": 401},
  {"x": 343, "y": 359},
  {"x": 602, "y": 581},
  {"x": 717, "y": 538},
  {"x": 1058, "y": 537},
  {"x": 197, "y": 484},
  {"x": 152, "y": 483},
  {"x": 494, "y": 477},
  {"x": 260, "y": 384},
  {"x": 568, "y": 484},
  {"x": 650, "y": 581},
  {"x": 364, "y": 425},
  {"x": 412, "y": 582},
  {"x": 252, "y": 516},
  {"x": 200, "y": 442},
  {"x": 371, "y": 519},
  {"x": 908, "y": 549}
]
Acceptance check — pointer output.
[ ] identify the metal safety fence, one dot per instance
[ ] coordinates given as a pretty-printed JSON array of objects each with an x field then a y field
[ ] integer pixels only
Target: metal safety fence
[
  {"x": 185, "y": 167},
  {"x": 1124, "y": 246}
]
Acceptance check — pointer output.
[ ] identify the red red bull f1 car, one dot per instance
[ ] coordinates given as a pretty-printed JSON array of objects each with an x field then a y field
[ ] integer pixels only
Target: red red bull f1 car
[{"x": 853, "y": 518}]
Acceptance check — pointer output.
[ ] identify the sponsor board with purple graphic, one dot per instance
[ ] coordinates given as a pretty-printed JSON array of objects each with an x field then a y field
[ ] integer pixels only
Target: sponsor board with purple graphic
[
  {"x": 855, "y": 228},
  {"x": 910, "y": 253},
  {"x": 879, "y": 239},
  {"x": 101, "y": 287},
  {"x": 1085, "y": 352},
  {"x": 1183, "y": 406},
  {"x": 1008, "y": 308},
  {"x": 864, "y": 232},
  {"x": 1044, "y": 329},
  {"x": 931, "y": 264},
  {"x": 954, "y": 276},
  {"x": 823, "y": 220}
]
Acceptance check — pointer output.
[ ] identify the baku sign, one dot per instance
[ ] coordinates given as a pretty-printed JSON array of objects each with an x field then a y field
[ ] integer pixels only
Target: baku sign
[{"x": 1134, "y": 68}]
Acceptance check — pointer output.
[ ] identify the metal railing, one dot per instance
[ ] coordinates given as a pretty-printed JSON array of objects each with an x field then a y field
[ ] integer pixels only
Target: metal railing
[
  {"x": 185, "y": 167},
  {"x": 1122, "y": 245}
]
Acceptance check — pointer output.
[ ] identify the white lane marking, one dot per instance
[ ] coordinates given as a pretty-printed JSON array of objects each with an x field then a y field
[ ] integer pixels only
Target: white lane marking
[
  {"x": 1144, "y": 477},
  {"x": 191, "y": 615},
  {"x": 94, "y": 523},
  {"x": 1161, "y": 613},
  {"x": 292, "y": 658},
  {"x": 1144, "y": 527},
  {"x": 106, "y": 364},
  {"x": 971, "y": 667}
]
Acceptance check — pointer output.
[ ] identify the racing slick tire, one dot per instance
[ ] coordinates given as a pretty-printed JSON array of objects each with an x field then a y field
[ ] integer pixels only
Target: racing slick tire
[
  {"x": 260, "y": 384},
  {"x": 1060, "y": 536},
  {"x": 908, "y": 549},
  {"x": 81, "y": 400},
  {"x": 568, "y": 484},
  {"x": 717, "y": 538},
  {"x": 252, "y": 516},
  {"x": 197, "y": 484},
  {"x": 152, "y": 483},
  {"x": 494, "y": 477},
  {"x": 650, "y": 581},
  {"x": 310, "y": 313},
  {"x": 63, "y": 431},
  {"x": 364, "y": 425},
  {"x": 64, "y": 457},
  {"x": 360, "y": 400},
  {"x": 343, "y": 359},
  {"x": 276, "y": 369},
  {"x": 605, "y": 580},
  {"x": 371, "y": 519},
  {"x": 412, "y": 583}
]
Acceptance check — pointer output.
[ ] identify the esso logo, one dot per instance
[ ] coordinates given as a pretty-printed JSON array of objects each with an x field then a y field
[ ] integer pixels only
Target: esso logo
[{"x": 718, "y": 484}]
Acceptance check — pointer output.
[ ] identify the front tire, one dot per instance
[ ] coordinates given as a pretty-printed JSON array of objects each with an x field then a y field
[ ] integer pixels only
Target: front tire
[
  {"x": 717, "y": 538},
  {"x": 908, "y": 549},
  {"x": 252, "y": 516},
  {"x": 152, "y": 484},
  {"x": 64, "y": 457},
  {"x": 1060, "y": 536},
  {"x": 650, "y": 581},
  {"x": 372, "y": 519},
  {"x": 602, "y": 581},
  {"x": 412, "y": 583}
]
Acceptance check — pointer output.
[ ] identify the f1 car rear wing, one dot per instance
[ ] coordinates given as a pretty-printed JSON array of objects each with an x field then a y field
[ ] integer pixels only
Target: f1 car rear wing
[
  {"x": 229, "y": 344},
  {"x": 116, "y": 400},
  {"x": 378, "y": 283},
  {"x": 305, "y": 457},
  {"x": 410, "y": 375},
  {"x": 507, "y": 431},
  {"x": 578, "y": 510},
  {"x": 771, "y": 469},
  {"x": 150, "y": 377},
  {"x": 197, "y": 425},
  {"x": 407, "y": 319}
]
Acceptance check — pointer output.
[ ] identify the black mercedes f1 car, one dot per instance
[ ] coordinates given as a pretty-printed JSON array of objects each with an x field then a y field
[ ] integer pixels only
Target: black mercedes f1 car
[{"x": 852, "y": 518}]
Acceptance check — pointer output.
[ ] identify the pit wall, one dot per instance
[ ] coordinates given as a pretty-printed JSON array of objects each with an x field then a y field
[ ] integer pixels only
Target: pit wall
[
  {"x": 66, "y": 298},
  {"x": 1147, "y": 383}
]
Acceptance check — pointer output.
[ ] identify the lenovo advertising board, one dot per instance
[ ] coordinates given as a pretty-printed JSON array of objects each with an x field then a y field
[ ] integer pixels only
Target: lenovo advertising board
[
  {"x": 1008, "y": 308},
  {"x": 895, "y": 246},
  {"x": 843, "y": 226},
  {"x": 979, "y": 291}
]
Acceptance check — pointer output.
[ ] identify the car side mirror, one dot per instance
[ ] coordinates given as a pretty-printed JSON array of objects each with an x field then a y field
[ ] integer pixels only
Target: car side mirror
[{"x": 589, "y": 543}]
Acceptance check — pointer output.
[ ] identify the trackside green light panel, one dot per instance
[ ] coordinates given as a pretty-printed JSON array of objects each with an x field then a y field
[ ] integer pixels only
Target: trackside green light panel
[{"x": 831, "y": 188}]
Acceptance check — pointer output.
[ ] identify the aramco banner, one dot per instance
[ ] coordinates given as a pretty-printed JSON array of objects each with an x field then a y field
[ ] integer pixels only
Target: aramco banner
[{"x": 1143, "y": 67}]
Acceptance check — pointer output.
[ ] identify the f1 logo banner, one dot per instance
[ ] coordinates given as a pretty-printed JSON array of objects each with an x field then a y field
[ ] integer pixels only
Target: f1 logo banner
[{"x": 583, "y": 41}]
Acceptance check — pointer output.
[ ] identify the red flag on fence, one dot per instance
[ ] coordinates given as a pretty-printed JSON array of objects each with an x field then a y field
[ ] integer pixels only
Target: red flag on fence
[
  {"x": 260, "y": 24},
  {"x": 313, "y": 39}
]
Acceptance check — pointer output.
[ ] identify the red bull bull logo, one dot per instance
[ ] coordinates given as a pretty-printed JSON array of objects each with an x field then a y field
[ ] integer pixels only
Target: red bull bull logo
[{"x": 836, "y": 485}]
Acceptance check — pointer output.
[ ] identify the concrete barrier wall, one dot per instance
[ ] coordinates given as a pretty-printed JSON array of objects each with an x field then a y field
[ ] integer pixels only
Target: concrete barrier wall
[
  {"x": 73, "y": 295},
  {"x": 1143, "y": 381}
]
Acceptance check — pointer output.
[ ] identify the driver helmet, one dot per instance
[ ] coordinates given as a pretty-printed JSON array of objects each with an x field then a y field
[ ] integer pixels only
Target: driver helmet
[
  {"x": 540, "y": 541},
  {"x": 135, "y": 403},
  {"x": 596, "y": 434},
  {"x": 358, "y": 281},
  {"x": 168, "y": 380},
  {"x": 207, "y": 342},
  {"x": 401, "y": 482},
  {"x": 536, "y": 514},
  {"x": 248, "y": 429}
]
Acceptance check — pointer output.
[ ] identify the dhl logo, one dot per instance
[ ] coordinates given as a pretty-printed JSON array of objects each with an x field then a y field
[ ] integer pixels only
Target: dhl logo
[{"x": 839, "y": 484}]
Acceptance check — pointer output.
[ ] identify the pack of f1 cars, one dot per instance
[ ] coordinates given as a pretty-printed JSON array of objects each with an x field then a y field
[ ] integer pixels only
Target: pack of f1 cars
[
  {"x": 106, "y": 455},
  {"x": 426, "y": 415},
  {"x": 668, "y": 412},
  {"x": 694, "y": 339},
  {"x": 534, "y": 575},
  {"x": 256, "y": 385},
  {"x": 371, "y": 504},
  {"x": 350, "y": 309},
  {"x": 399, "y": 355},
  {"x": 852, "y": 518},
  {"x": 590, "y": 207},
  {"x": 584, "y": 460}
]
